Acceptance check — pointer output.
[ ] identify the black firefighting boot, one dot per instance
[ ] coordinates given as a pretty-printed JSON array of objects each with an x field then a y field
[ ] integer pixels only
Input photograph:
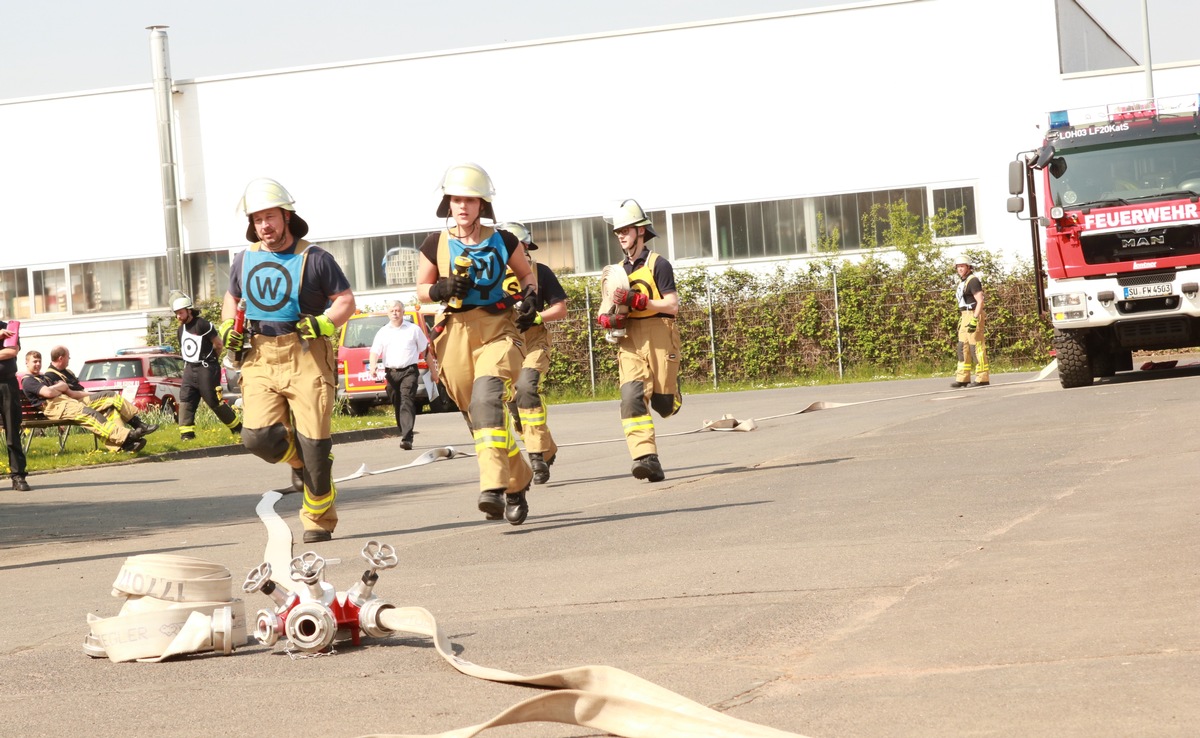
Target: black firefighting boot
[
  {"x": 541, "y": 470},
  {"x": 138, "y": 428},
  {"x": 491, "y": 503},
  {"x": 647, "y": 467},
  {"x": 516, "y": 509}
]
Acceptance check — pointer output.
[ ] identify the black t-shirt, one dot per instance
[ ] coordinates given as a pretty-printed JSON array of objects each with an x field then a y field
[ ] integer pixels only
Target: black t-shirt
[
  {"x": 54, "y": 374},
  {"x": 8, "y": 367},
  {"x": 429, "y": 247},
  {"x": 664, "y": 273},
  {"x": 32, "y": 384},
  {"x": 199, "y": 345},
  {"x": 323, "y": 278},
  {"x": 550, "y": 290}
]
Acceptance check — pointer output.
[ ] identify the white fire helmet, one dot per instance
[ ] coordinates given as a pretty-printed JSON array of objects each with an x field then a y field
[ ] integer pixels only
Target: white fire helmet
[
  {"x": 180, "y": 302},
  {"x": 629, "y": 213},
  {"x": 963, "y": 258},
  {"x": 467, "y": 180},
  {"x": 264, "y": 193},
  {"x": 521, "y": 232}
]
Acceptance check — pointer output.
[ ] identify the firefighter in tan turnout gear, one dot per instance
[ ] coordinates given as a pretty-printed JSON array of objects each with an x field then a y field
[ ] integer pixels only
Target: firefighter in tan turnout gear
[
  {"x": 528, "y": 403},
  {"x": 649, "y": 352},
  {"x": 296, "y": 296},
  {"x": 972, "y": 354},
  {"x": 476, "y": 338}
]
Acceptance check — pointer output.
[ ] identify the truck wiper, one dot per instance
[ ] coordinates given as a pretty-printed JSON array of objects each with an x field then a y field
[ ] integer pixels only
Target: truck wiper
[{"x": 1108, "y": 203}]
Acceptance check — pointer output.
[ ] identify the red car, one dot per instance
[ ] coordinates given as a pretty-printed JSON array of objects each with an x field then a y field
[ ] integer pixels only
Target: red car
[{"x": 150, "y": 377}]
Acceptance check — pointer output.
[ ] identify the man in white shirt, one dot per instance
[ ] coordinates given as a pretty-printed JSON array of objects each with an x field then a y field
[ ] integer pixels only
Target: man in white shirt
[{"x": 399, "y": 345}]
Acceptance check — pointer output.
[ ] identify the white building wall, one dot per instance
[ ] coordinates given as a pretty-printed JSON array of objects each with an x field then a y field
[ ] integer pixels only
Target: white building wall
[{"x": 884, "y": 95}]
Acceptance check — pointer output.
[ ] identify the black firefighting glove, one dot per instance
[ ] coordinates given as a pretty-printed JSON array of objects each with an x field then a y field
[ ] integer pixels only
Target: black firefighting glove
[
  {"x": 447, "y": 287},
  {"x": 528, "y": 307}
]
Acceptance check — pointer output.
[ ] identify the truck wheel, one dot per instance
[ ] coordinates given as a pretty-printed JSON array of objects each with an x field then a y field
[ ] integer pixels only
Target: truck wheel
[{"x": 1074, "y": 369}]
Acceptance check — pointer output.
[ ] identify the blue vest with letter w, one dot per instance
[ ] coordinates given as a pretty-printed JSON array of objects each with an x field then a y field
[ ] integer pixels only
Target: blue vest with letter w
[{"x": 271, "y": 284}]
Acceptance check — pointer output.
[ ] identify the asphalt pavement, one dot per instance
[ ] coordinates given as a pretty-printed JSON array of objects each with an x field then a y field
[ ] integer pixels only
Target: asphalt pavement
[{"x": 902, "y": 559}]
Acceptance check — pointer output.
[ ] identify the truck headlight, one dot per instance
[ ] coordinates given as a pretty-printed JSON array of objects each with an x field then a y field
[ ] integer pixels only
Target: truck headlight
[{"x": 1068, "y": 306}]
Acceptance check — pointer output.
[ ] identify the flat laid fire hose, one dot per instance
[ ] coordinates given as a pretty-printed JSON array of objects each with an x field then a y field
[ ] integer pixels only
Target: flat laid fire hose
[{"x": 600, "y": 697}]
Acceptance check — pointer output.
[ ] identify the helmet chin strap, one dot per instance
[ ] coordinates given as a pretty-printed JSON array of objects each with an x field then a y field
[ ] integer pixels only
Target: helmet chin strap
[{"x": 638, "y": 244}]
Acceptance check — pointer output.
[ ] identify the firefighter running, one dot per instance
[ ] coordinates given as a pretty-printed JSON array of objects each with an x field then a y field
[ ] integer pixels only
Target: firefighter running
[
  {"x": 476, "y": 338},
  {"x": 297, "y": 296},
  {"x": 528, "y": 403},
  {"x": 200, "y": 346},
  {"x": 648, "y": 354}
]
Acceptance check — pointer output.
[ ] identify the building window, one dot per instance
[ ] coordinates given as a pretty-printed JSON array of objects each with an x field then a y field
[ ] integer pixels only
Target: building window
[
  {"x": 49, "y": 291},
  {"x": 14, "y": 294},
  {"x": 958, "y": 198},
  {"x": 691, "y": 235},
  {"x": 112, "y": 286},
  {"x": 209, "y": 274}
]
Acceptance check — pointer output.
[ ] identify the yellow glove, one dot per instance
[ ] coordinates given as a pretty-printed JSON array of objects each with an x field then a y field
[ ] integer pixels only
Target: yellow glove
[{"x": 312, "y": 326}]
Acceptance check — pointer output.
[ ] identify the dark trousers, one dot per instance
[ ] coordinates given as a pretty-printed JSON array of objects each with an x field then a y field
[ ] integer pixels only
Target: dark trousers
[
  {"x": 202, "y": 382},
  {"x": 402, "y": 388},
  {"x": 10, "y": 407}
]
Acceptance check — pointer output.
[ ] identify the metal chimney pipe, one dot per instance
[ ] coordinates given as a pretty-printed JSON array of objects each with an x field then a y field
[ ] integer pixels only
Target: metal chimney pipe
[{"x": 161, "y": 68}]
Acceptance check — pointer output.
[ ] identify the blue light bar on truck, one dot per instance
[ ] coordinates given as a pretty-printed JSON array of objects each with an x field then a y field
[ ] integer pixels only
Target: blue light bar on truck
[{"x": 1163, "y": 107}]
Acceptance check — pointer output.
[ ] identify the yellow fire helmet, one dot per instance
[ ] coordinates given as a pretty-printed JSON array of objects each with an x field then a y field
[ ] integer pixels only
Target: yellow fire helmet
[{"x": 263, "y": 194}]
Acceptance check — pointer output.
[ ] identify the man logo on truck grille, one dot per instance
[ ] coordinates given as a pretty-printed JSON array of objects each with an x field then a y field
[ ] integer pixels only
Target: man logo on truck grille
[{"x": 1140, "y": 241}]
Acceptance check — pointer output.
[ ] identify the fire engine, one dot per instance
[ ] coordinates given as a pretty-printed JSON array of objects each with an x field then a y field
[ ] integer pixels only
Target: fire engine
[{"x": 1121, "y": 186}]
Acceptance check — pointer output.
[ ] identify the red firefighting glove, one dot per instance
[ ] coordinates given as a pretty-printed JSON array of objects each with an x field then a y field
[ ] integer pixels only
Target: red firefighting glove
[
  {"x": 611, "y": 321},
  {"x": 635, "y": 300}
]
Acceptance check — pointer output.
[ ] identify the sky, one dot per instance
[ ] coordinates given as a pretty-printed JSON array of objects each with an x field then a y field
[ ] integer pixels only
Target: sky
[{"x": 49, "y": 47}]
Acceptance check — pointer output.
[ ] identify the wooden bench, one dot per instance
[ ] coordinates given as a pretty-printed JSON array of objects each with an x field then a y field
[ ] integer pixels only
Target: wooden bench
[{"x": 32, "y": 420}]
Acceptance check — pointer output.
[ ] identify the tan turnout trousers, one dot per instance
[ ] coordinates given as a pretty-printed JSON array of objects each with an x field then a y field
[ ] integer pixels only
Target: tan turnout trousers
[
  {"x": 534, "y": 430},
  {"x": 649, "y": 355},
  {"x": 480, "y": 358},
  {"x": 288, "y": 390}
]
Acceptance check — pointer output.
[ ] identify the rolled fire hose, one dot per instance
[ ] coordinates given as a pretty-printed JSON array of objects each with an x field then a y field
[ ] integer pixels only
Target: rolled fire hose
[{"x": 173, "y": 605}]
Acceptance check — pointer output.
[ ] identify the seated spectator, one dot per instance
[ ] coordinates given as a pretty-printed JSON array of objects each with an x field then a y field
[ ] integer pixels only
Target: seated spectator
[{"x": 59, "y": 395}]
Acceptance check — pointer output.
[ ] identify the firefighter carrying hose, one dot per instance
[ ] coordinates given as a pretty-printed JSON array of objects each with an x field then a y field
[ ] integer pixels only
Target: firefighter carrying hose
[
  {"x": 296, "y": 297},
  {"x": 972, "y": 354},
  {"x": 648, "y": 355},
  {"x": 477, "y": 339},
  {"x": 200, "y": 346}
]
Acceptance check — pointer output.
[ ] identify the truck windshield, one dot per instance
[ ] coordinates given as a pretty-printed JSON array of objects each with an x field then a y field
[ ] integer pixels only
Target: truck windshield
[{"x": 1119, "y": 174}]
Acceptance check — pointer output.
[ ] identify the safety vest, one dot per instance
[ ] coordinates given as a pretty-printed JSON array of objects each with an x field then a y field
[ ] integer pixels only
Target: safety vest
[
  {"x": 512, "y": 285},
  {"x": 271, "y": 283},
  {"x": 642, "y": 280},
  {"x": 966, "y": 300},
  {"x": 489, "y": 263}
]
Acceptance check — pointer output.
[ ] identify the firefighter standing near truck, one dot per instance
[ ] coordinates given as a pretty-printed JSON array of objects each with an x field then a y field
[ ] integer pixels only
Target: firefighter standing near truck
[
  {"x": 296, "y": 297},
  {"x": 528, "y": 402},
  {"x": 972, "y": 354},
  {"x": 476, "y": 338},
  {"x": 199, "y": 345},
  {"x": 648, "y": 354}
]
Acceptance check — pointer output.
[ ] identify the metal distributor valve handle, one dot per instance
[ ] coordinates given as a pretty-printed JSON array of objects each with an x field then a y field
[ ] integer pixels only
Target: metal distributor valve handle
[{"x": 311, "y": 616}]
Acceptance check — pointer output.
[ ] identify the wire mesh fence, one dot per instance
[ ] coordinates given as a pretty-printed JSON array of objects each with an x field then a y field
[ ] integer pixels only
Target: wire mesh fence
[{"x": 795, "y": 334}]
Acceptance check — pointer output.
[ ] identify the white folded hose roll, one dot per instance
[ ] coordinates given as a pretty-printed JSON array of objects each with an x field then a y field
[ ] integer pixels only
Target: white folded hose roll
[{"x": 173, "y": 605}]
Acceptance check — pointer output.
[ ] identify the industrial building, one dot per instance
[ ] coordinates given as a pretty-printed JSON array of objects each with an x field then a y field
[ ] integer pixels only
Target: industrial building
[{"x": 753, "y": 141}]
